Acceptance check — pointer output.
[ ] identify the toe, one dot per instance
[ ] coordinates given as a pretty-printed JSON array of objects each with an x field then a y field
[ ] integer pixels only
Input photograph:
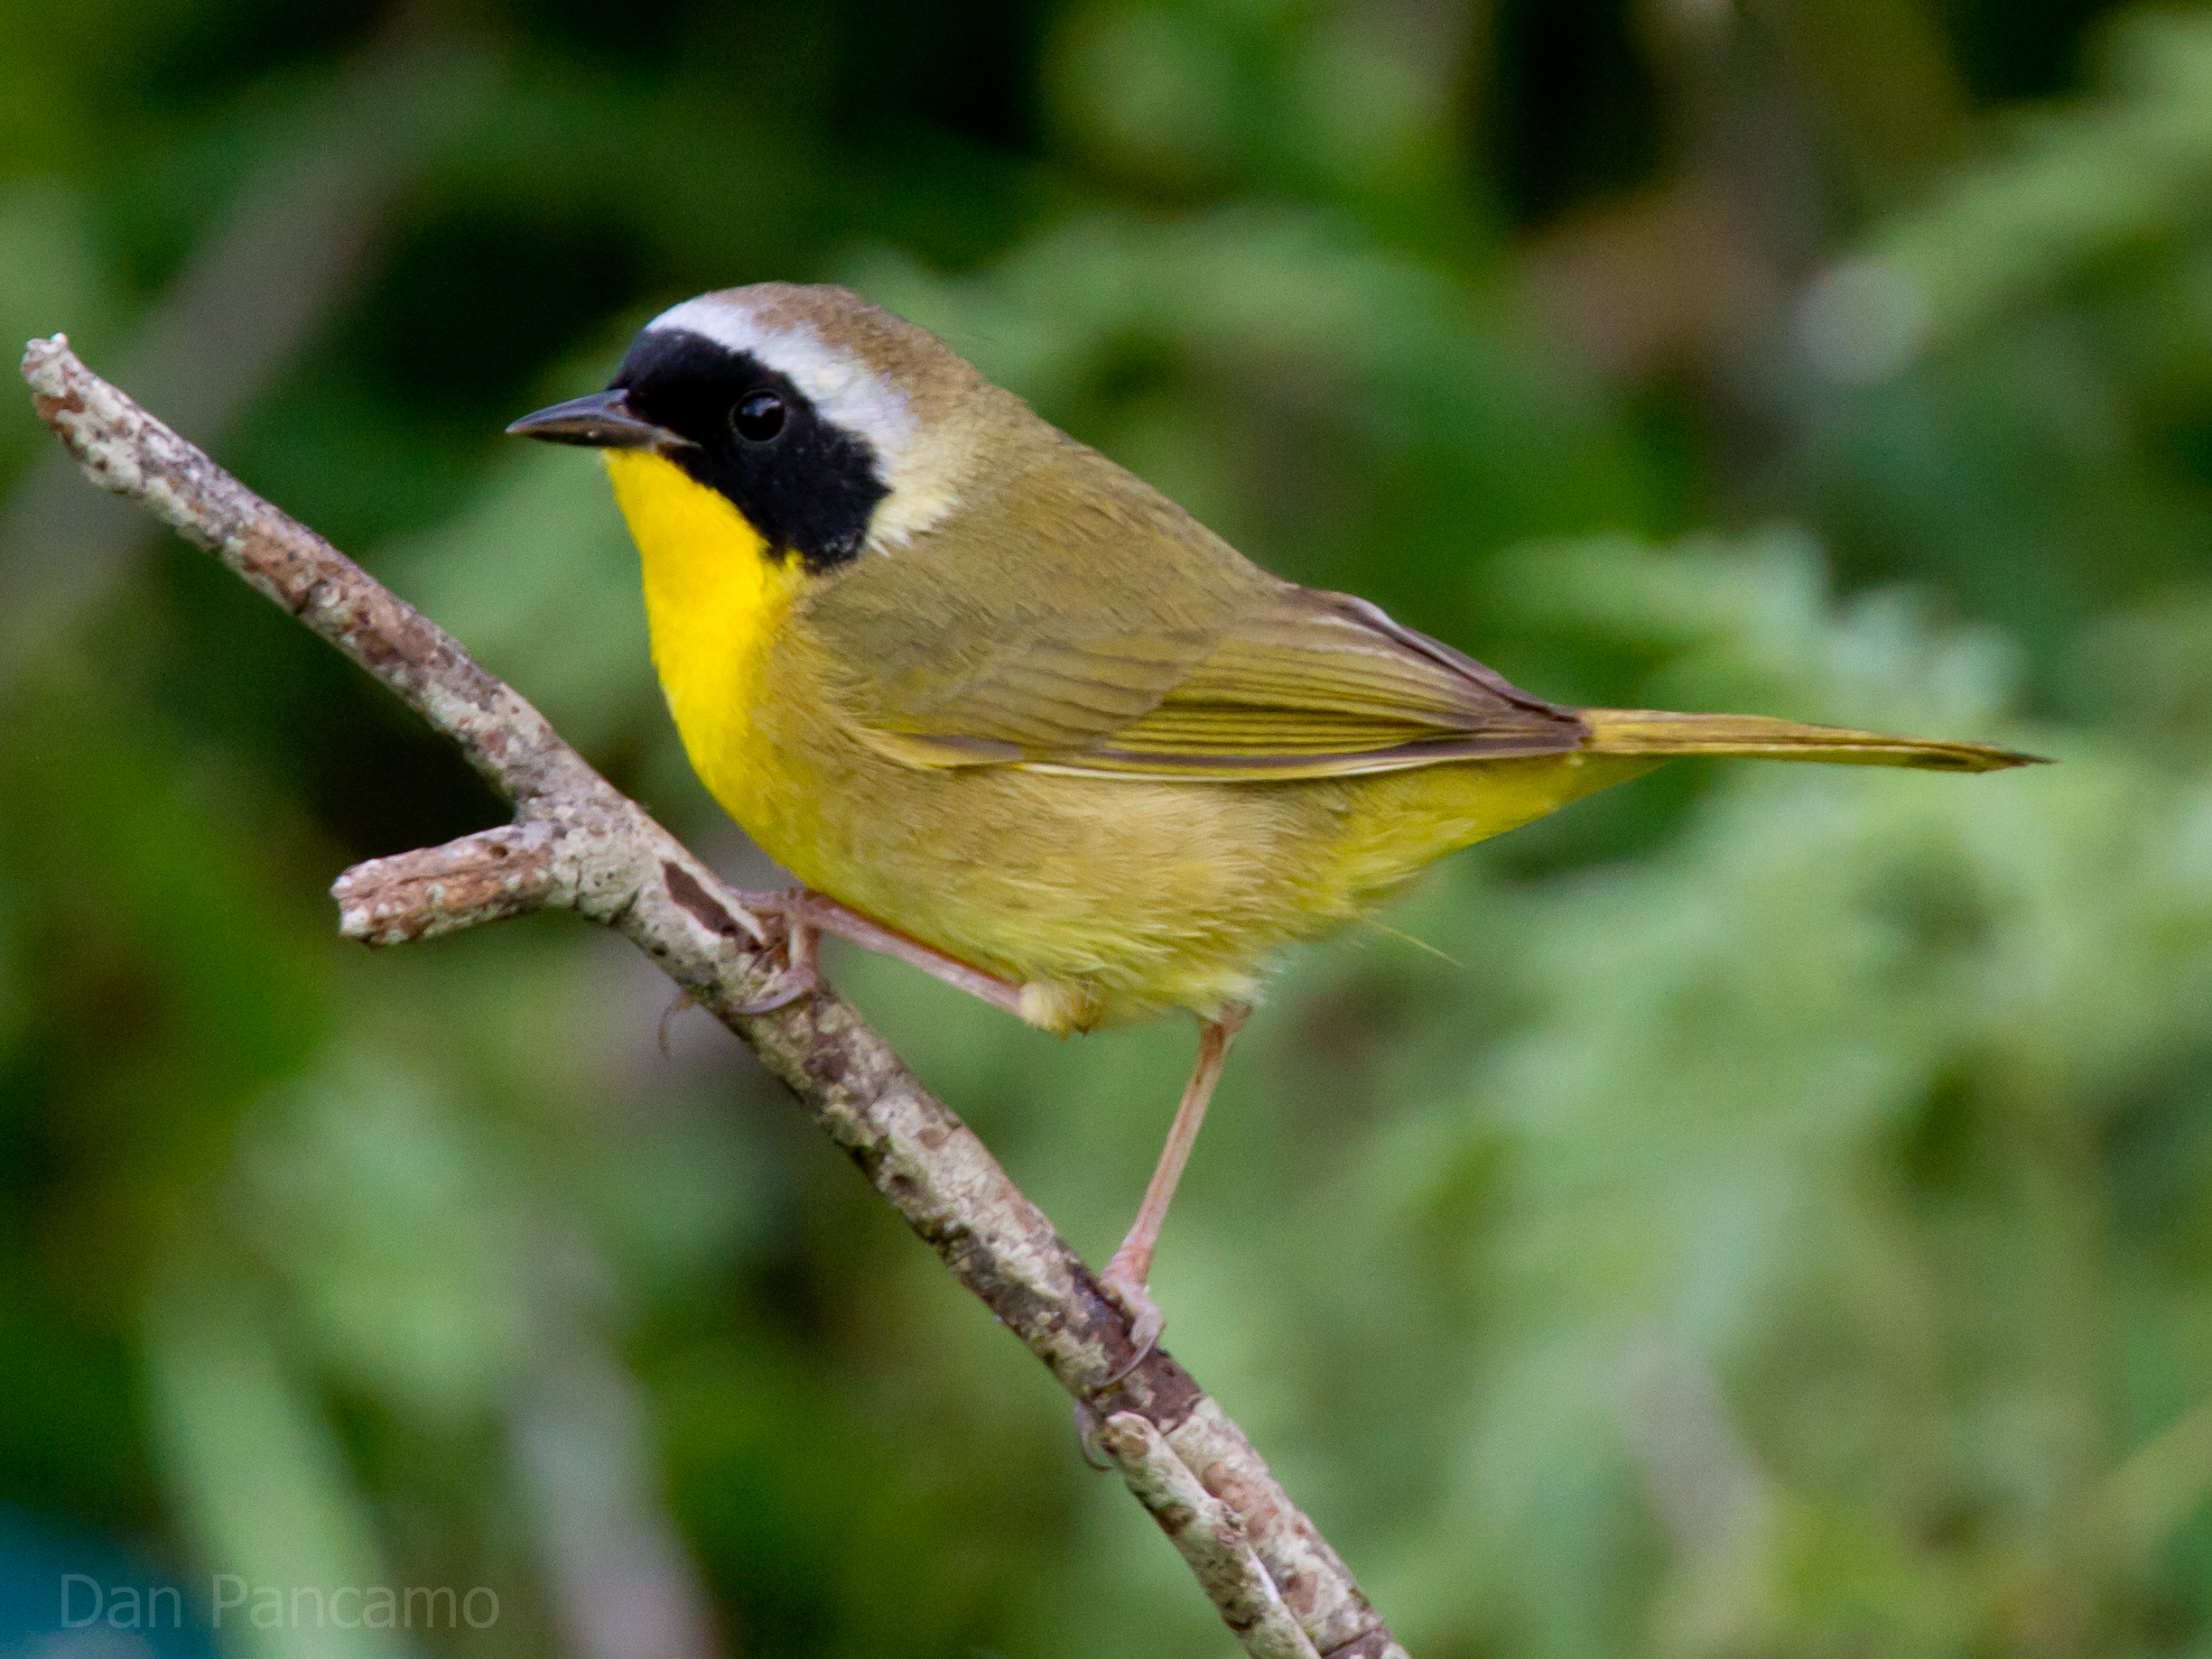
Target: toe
[
  {"x": 789, "y": 983},
  {"x": 1087, "y": 1426},
  {"x": 1146, "y": 1320}
]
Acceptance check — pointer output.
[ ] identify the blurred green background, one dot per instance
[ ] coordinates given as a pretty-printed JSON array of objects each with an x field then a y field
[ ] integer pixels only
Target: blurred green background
[{"x": 1778, "y": 1222}]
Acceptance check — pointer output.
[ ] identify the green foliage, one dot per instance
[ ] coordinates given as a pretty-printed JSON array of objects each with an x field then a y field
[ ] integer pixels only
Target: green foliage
[{"x": 1761, "y": 1212}]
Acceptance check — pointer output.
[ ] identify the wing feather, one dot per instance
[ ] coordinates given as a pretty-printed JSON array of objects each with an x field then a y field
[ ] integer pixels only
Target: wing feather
[{"x": 1155, "y": 651}]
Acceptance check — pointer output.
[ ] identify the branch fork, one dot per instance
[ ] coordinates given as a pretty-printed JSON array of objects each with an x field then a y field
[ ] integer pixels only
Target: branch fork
[{"x": 577, "y": 843}]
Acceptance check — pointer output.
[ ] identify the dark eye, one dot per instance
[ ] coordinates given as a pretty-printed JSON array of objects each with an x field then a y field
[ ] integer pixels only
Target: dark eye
[{"x": 757, "y": 417}]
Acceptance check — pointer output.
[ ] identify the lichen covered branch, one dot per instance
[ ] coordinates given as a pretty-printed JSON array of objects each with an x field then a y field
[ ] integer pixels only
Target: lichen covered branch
[
  {"x": 1208, "y": 1534},
  {"x": 578, "y": 843},
  {"x": 493, "y": 873}
]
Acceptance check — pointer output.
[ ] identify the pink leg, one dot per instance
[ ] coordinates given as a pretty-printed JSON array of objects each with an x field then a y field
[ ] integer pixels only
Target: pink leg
[
  {"x": 807, "y": 914},
  {"x": 1131, "y": 1266}
]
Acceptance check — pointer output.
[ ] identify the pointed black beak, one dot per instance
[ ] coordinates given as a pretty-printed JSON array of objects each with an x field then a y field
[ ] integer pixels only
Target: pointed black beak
[{"x": 600, "y": 421}]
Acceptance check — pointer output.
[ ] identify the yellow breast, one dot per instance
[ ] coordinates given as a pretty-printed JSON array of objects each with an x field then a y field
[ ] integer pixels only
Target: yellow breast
[{"x": 714, "y": 601}]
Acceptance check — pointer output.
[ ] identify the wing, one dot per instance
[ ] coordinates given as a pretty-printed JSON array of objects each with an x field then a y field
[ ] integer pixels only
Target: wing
[
  {"x": 1304, "y": 683},
  {"x": 1153, "y": 650}
]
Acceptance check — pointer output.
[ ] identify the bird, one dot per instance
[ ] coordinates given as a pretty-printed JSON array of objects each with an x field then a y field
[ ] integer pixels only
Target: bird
[{"x": 1014, "y": 716}]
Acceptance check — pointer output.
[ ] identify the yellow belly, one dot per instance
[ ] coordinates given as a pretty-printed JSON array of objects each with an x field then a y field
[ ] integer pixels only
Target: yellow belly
[{"x": 1129, "y": 896}]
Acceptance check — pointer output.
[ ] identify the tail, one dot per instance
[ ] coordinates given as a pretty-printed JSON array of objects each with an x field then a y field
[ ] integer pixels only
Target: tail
[{"x": 1649, "y": 731}]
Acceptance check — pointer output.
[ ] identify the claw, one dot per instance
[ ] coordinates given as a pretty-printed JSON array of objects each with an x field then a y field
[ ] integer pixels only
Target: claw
[
  {"x": 1087, "y": 1426},
  {"x": 684, "y": 1000},
  {"x": 1121, "y": 1281},
  {"x": 786, "y": 988},
  {"x": 799, "y": 976}
]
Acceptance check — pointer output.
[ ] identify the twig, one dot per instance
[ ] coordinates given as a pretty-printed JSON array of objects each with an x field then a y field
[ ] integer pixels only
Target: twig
[
  {"x": 1208, "y": 1534},
  {"x": 577, "y": 843}
]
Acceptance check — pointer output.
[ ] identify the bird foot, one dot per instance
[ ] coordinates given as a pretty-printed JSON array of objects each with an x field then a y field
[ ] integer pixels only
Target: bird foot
[
  {"x": 801, "y": 975},
  {"x": 813, "y": 914},
  {"x": 1124, "y": 1281}
]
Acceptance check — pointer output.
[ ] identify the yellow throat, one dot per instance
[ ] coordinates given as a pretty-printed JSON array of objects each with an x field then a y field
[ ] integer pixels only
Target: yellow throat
[{"x": 715, "y": 599}]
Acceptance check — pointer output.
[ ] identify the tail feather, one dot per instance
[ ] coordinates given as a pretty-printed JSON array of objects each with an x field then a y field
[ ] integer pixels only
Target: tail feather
[{"x": 1650, "y": 731}]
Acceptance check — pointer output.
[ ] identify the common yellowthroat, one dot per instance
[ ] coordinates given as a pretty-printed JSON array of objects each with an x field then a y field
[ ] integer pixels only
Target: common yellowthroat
[{"x": 1014, "y": 715}]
